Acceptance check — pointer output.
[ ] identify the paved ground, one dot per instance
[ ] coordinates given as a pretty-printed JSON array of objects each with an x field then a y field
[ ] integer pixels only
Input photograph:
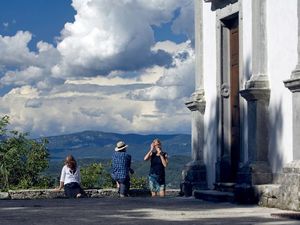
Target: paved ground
[{"x": 137, "y": 211}]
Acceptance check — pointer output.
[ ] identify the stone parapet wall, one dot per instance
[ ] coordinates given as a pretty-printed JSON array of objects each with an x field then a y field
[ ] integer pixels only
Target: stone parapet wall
[
  {"x": 268, "y": 195},
  {"x": 285, "y": 193},
  {"x": 91, "y": 193},
  {"x": 277, "y": 196}
]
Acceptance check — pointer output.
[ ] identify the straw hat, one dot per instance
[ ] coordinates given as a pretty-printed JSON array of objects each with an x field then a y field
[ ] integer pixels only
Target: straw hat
[{"x": 120, "y": 146}]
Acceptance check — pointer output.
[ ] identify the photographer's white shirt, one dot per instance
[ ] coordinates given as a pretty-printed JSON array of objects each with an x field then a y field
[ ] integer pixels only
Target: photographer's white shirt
[{"x": 68, "y": 177}]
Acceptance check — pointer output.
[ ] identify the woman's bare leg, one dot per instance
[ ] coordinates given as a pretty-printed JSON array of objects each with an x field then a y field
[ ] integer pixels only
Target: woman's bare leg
[
  {"x": 153, "y": 194},
  {"x": 162, "y": 193}
]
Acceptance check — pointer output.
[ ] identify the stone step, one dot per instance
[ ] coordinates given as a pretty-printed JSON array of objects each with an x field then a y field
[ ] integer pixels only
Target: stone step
[
  {"x": 214, "y": 196},
  {"x": 224, "y": 187}
]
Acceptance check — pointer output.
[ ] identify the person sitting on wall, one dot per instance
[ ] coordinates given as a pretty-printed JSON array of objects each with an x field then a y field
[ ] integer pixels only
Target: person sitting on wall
[
  {"x": 121, "y": 167},
  {"x": 70, "y": 179}
]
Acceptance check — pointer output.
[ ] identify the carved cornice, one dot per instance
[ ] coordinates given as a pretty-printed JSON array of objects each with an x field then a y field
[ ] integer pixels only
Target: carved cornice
[
  {"x": 293, "y": 84},
  {"x": 256, "y": 94},
  {"x": 258, "y": 81},
  {"x": 218, "y": 4},
  {"x": 197, "y": 102}
]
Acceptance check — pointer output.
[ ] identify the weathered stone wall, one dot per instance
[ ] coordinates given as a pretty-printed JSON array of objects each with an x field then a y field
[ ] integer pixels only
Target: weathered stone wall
[
  {"x": 91, "y": 193},
  {"x": 285, "y": 193}
]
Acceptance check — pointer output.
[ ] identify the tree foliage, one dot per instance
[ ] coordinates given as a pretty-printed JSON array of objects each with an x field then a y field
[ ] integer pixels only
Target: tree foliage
[
  {"x": 22, "y": 159},
  {"x": 95, "y": 176},
  {"x": 139, "y": 182}
]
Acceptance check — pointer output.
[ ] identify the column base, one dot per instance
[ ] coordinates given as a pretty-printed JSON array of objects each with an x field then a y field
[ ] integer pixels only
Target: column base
[
  {"x": 193, "y": 177},
  {"x": 224, "y": 170},
  {"x": 251, "y": 174},
  {"x": 255, "y": 173}
]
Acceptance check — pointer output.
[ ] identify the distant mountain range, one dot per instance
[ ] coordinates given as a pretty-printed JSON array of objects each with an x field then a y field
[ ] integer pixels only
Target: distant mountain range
[{"x": 97, "y": 144}]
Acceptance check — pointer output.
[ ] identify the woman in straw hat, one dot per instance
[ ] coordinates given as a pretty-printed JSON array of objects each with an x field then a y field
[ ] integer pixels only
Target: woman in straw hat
[{"x": 121, "y": 167}]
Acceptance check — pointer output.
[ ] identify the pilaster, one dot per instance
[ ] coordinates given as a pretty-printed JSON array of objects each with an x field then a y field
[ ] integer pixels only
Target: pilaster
[
  {"x": 257, "y": 94},
  {"x": 194, "y": 173},
  {"x": 293, "y": 84}
]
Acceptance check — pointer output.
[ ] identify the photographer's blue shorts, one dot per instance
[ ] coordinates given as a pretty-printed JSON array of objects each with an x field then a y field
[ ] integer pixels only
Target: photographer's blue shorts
[{"x": 154, "y": 184}]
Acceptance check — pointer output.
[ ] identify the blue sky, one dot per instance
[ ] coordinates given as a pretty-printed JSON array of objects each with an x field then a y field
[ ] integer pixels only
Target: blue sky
[
  {"x": 44, "y": 18},
  {"x": 111, "y": 65},
  {"x": 18, "y": 15}
]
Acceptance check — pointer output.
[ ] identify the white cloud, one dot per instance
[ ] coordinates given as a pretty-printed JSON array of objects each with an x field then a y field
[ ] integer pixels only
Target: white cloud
[
  {"x": 186, "y": 17},
  {"x": 177, "y": 81},
  {"x": 14, "y": 50},
  {"x": 20, "y": 66},
  {"x": 109, "y": 35},
  {"x": 30, "y": 75},
  {"x": 63, "y": 89},
  {"x": 33, "y": 103}
]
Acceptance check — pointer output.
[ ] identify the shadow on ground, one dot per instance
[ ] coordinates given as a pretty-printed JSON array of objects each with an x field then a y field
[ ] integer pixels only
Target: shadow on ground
[{"x": 145, "y": 211}]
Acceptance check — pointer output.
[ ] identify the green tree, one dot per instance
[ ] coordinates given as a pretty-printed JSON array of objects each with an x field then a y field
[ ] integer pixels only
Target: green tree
[
  {"x": 95, "y": 175},
  {"x": 22, "y": 159},
  {"x": 139, "y": 182}
]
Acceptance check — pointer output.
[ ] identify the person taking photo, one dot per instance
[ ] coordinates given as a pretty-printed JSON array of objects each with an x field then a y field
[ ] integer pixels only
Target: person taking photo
[{"x": 158, "y": 162}]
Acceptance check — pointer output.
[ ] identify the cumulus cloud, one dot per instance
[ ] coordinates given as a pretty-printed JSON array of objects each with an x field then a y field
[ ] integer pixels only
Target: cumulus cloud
[
  {"x": 177, "y": 81},
  {"x": 109, "y": 35},
  {"x": 14, "y": 50},
  {"x": 33, "y": 103},
  {"x": 106, "y": 72},
  {"x": 20, "y": 66},
  {"x": 186, "y": 16}
]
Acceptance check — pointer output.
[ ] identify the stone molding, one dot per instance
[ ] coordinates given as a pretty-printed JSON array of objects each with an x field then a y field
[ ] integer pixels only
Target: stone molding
[
  {"x": 296, "y": 73},
  {"x": 258, "y": 81},
  {"x": 197, "y": 102},
  {"x": 256, "y": 94},
  {"x": 217, "y": 4},
  {"x": 293, "y": 84},
  {"x": 292, "y": 167}
]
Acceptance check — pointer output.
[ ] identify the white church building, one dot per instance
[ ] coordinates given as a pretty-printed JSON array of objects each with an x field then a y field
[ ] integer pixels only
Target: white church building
[{"x": 246, "y": 104}]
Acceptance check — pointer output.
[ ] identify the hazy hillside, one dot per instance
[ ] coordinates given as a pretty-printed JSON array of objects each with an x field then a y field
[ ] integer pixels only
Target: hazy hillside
[{"x": 96, "y": 144}]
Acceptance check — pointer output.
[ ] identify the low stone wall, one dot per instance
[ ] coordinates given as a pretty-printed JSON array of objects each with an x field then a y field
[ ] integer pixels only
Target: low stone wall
[
  {"x": 268, "y": 195},
  {"x": 285, "y": 192},
  {"x": 91, "y": 193}
]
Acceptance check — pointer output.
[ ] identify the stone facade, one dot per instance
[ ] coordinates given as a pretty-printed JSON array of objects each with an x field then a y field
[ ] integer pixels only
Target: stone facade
[{"x": 264, "y": 164}]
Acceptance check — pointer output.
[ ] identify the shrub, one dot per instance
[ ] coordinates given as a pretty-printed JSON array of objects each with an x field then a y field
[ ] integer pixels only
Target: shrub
[
  {"x": 139, "y": 182},
  {"x": 22, "y": 159},
  {"x": 95, "y": 176}
]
